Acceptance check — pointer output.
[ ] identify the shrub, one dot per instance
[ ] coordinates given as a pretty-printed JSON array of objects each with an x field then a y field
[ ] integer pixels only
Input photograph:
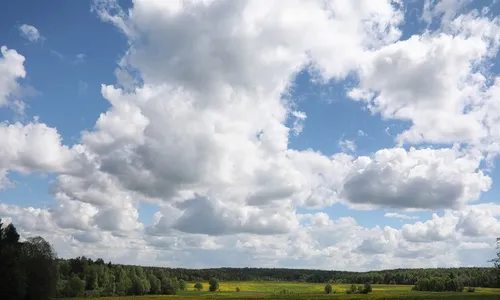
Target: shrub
[
  {"x": 353, "y": 289},
  {"x": 213, "y": 284},
  {"x": 471, "y": 289},
  {"x": 367, "y": 288},
  {"x": 238, "y": 289},
  {"x": 328, "y": 288}
]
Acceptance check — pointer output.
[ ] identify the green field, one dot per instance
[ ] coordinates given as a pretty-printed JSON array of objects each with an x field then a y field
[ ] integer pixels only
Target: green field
[{"x": 310, "y": 291}]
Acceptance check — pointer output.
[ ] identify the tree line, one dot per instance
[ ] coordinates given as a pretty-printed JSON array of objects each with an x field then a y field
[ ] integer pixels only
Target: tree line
[{"x": 30, "y": 270}]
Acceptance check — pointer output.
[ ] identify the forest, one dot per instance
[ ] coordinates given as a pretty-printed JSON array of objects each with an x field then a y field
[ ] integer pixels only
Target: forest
[{"x": 30, "y": 270}]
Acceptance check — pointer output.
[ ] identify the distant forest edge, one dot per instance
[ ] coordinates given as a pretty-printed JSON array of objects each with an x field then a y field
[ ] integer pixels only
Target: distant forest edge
[
  {"x": 471, "y": 276},
  {"x": 29, "y": 270}
]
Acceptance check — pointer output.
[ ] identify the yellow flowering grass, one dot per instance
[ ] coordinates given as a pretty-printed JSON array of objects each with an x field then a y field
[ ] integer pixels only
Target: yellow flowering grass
[{"x": 255, "y": 290}]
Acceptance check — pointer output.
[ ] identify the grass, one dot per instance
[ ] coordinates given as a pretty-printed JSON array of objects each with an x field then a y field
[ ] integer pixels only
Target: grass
[{"x": 254, "y": 290}]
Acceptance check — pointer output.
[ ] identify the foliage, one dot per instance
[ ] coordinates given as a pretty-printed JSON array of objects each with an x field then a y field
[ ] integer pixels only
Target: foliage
[
  {"x": 198, "y": 286},
  {"x": 75, "y": 287},
  {"x": 106, "y": 279},
  {"x": 365, "y": 289},
  {"x": 168, "y": 286},
  {"x": 27, "y": 269},
  {"x": 328, "y": 288},
  {"x": 30, "y": 270},
  {"x": 439, "y": 284},
  {"x": 213, "y": 284},
  {"x": 182, "y": 285}
]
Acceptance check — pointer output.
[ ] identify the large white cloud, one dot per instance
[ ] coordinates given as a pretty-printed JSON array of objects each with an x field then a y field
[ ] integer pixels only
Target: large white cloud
[
  {"x": 320, "y": 243},
  {"x": 197, "y": 125},
  {"x": 438, "y": 81},
  {"x": 425, "y": 178},
  {"x": 32, "y": 147}
]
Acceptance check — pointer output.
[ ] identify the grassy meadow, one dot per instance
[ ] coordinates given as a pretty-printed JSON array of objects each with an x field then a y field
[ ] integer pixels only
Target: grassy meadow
[{"x": 309, "y": 291}]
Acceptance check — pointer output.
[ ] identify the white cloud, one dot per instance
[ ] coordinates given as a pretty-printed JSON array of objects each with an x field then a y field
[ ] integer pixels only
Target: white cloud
[
  {"x": 33, "y": 147},
  {"x": 347, "y": 146},
  {"x": 321, "y": 243},
  {"x": 197, "y": 124},
  {"x": 445, "y": 10},
  {"x": 30, "y": 33},
  {"x": 437, "y": 81},
  {"x": 19, "y": 108},
  {"x": 298, "y": 124},
  {"x": 434, "y": 230},
  {"x": 396, "y": 178},
  {"x": 400, "y": 216},
  {"x": 11, "y": 70},
  {"x": 212, "y": 122},
  {"x": 361, "y": 133}
]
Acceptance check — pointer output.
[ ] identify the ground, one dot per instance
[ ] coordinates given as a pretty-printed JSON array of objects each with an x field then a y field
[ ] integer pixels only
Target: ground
[{"x": 310, "y": 291}]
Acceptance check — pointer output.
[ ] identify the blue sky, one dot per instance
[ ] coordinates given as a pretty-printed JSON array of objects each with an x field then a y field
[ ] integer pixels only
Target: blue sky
[{"x": 105, "y": 160}]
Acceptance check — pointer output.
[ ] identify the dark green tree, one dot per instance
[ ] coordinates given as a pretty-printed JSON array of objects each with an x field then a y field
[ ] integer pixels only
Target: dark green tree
[
  {"x": 155, "y": 284},
  {"x": 167, "y": 286},
  {"x": 137, "y": 286},
  {"x": 75, "y": 287},
  {"x": 213, "y": 284},
  {"x": 40, "y": 265},
  {"x": 198, "y": 286},
  {"x": 12, "y": 267},
  {"x": 123, "y": 284}
]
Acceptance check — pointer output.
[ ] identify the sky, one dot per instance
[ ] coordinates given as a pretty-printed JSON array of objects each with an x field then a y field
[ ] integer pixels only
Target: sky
[{"x": 327, "y": 134}]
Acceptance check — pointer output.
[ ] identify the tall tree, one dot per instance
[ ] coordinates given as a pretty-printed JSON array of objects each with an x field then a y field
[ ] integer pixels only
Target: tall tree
[
  {"x": 12, "y": 274},
  {"x": 167, "y": 286},
  {"x": 39, "y": 259},
  {"x": 155, "y": 284}
]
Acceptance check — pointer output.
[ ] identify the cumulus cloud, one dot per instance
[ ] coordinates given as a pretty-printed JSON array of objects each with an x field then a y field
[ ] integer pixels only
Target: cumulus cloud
[
  {"x": 197, "y": 124},
  {"x": 422, "y": 179},
  {"x": 213, "y": 122},
  {"x": 436, "y": 81},
  {"x": 32, "y": 147}
]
